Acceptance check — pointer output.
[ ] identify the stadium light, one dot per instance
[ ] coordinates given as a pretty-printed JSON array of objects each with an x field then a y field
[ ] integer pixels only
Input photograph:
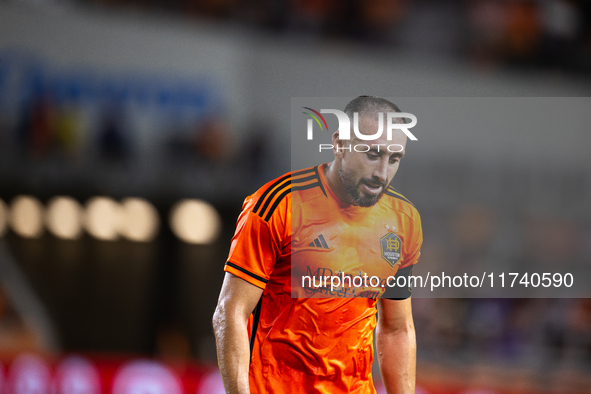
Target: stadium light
[
  {"x": 26, "y": 216},
  {"x": 64, "y": 217},
  {"x": 140, "y": 220},
  {"x": 103, "y": 218},
  {"x": 3, "y": 218},
  {"x": 195, "y": 221}
]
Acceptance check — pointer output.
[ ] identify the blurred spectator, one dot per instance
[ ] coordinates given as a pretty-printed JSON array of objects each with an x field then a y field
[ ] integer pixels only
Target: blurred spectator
[
  {"x": 69, "y": 130},
  {"x": 561, "y": 23},
  {"x": 486, "y": 28},
  {"x": 523, "y": 336},
  {"x": 585, "y": 35},
  {"x": 256, "y": 150},
  {"x": 578, "y": 333},
  {"x": 473, "y": 231},
  {"x": 213, "y": 142},
  {"x": 548, "y": 240},
  {"x": 210, "y": 8},
  {"x": 568, "y": 381},
  {"x": 270, "y": 14},
  {"x": 446, "y": 328},
  {"x": 113, "y": 141},
  {"x": 486, "y": 326},
  {"x": 524, "y": 31},
  {"x": 37, "y": 125},
  {"x": 379, "y": 18},
  {"x": 312, "y": 16},
  {"x": 473, "y": 228}
]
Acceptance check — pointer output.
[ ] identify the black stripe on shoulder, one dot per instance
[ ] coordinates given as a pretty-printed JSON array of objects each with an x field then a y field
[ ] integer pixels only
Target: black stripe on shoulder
[
  {"x": 286, "y": 191},
  {"x": 283, "y": 186},
  {"x": 321, "y": 187},
  {"x": 262, "y": 198},
  {"x": 247, "y": 272},
  {"x": 393, "y": 193},
  {"x": 275, "y": 184},
  {"x": 276, "y": 203}
]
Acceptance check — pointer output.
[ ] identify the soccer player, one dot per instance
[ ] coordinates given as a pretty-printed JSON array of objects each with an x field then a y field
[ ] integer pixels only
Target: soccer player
[{"x": 342, "y": 217}]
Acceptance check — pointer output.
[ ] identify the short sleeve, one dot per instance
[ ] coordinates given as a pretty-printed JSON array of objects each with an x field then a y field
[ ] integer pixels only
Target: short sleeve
[
  {"x": 414, "y": 243},
  {"x": 256, "y": 245}
]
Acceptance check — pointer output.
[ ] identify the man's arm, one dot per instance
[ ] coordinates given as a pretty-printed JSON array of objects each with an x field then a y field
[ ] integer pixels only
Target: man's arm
[
  {"x": 238, "y": 299},
  {"x": 396, "y": 345}
]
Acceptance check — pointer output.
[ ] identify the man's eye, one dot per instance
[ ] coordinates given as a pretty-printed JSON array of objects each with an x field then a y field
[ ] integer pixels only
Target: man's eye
[
  {"x": 372, "y": 156},
  {"x": 393, "y": 161}
]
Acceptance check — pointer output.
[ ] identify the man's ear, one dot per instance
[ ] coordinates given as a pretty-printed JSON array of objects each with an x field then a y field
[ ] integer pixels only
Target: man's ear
[{"x": 337, "y": 143}]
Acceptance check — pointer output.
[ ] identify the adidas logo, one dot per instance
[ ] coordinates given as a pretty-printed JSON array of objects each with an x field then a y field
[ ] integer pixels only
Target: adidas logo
[{"x": 319, "y": 242}]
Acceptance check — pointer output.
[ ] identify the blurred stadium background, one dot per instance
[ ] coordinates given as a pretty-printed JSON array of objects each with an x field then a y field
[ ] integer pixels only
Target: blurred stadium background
[{"x": 131, "y": 131}]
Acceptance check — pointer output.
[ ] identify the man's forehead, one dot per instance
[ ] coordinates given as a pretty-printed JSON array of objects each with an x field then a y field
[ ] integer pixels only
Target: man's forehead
[
  {"x": 374, "y": 116},
  {"x": 381, "y": 146},
  {"x": 370, "y": 126},
  {"x": 381, "y": 141}
]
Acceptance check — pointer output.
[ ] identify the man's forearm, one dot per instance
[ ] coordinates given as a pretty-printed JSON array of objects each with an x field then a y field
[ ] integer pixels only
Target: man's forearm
[
  {"x": 233, "y": 351},
  {"x": 396, "y": 350}
]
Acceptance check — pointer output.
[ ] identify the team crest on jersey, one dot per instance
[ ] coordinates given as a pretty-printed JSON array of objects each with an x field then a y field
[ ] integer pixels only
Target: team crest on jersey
[{"x": 391, "y": 248}]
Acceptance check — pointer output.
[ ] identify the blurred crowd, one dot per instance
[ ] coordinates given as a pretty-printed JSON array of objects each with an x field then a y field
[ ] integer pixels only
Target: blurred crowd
[
  {"x": 536, "y": 333},
  {"x": 552, "y": 34},
  {"x": 83, "y": 127},
  {"x": 549, "y": 33},
  {"x": 510, "y": 221},
  {"x": 476, "y": 217}
]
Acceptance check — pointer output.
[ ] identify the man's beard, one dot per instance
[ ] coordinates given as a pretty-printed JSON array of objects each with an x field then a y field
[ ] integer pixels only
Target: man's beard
[{"x": 354, "y": 193}]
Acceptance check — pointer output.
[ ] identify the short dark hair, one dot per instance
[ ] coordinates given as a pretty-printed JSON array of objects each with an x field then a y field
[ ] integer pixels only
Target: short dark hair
[{"x": 370, "y": 105}]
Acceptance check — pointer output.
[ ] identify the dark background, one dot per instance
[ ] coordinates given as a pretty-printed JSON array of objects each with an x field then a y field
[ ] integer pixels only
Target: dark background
[{"x": 176, "y": 100}]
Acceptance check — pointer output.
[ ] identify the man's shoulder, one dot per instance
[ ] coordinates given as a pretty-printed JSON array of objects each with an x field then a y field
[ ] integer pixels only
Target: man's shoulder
[
  {"x": 268, "y": 197},
  {"x": 395, "y": 200}
]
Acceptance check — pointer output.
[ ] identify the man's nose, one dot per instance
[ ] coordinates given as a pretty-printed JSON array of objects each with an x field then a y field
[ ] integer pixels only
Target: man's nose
[{"x": 381, "y": 170}]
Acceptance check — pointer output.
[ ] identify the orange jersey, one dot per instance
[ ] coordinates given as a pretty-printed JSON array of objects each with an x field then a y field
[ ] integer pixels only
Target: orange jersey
[{"x": 296, "y": 223}]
